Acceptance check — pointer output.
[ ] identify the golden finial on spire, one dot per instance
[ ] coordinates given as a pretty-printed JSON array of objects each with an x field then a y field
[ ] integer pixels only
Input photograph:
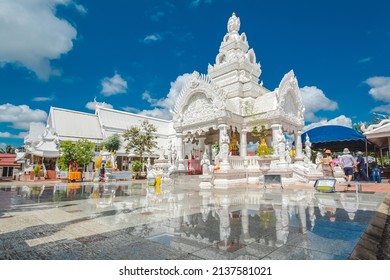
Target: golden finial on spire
[{"x": 233, "y": 14}]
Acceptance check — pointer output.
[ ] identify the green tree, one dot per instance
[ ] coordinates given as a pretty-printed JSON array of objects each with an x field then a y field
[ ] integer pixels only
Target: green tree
[
  {"x": 141, "y": 139},
  {"x": 113, "y": 143},
  {"x": 9, "y": 149},
  {"x": 136, "y": 167},
  {"x": 68, "y": 154},
  {"x": 81, "y": 152},
  {"x": 84, "y": 152}
]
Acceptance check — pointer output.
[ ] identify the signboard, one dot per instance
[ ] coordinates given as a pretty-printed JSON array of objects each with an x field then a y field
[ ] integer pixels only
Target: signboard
[
  {"x": 325, "y": 185},
  {"x": 122, "y": 175},
  {"x": 272, "y": 179},
  {"x": 62, "y": 174}
]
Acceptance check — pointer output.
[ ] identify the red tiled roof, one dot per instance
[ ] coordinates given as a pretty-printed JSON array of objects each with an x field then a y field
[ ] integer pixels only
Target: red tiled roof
[{"x": 8, "y": 160}]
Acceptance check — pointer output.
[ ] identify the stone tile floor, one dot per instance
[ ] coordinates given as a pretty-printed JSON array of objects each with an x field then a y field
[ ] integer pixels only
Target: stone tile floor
[{"x": 129, "y": 220}]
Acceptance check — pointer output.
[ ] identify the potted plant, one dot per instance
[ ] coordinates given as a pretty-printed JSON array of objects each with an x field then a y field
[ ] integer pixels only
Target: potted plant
[
  {"x": 37, "y": 168},
  {"x": 136, "y": 168}
]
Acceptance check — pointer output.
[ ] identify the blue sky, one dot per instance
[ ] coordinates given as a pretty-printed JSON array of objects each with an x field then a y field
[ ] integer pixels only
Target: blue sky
[{"x": 136, "y": 55}]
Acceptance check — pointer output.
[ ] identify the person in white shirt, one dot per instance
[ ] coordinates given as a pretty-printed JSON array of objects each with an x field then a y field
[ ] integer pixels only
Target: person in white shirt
[{"x": 347, "y": 162}]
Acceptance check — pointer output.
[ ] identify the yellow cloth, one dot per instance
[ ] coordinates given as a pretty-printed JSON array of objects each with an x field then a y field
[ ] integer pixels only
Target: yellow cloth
[
  {"x": 158, "y": 185},
  {"x": 74, "y": 176}
]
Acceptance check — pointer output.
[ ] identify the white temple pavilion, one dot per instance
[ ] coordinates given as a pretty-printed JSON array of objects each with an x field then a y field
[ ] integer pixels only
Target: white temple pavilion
[
  {"x": 227, "y": 103},
  {"x": 379, "y": 134}
]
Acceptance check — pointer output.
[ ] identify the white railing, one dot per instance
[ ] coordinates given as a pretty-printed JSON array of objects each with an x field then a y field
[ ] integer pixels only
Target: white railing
[{"x": 248, "y": 162}]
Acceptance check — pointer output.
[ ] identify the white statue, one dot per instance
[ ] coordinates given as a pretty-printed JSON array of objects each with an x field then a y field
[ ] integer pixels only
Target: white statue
[
  {"x": 288, "y": 149},
  {"x": 281, "y": 146},
  {"x": 205, "y": 163},
  {"x": 319, "y": 160}
]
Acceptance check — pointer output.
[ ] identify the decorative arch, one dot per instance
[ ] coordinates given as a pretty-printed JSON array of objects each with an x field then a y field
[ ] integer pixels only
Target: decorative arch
[
  {"x": 289, "y": 97},
  {"x": 199, "y": 101}
]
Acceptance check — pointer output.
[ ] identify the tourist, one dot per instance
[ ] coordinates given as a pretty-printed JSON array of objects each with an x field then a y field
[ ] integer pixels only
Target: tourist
[
  {"x": 376, "y": 173},
  {"x": 347, "y": 162},
  {"x": 327, "y": 164},
  {"x": 102, "y": 173},
  {"x": 361, "y": 166}
]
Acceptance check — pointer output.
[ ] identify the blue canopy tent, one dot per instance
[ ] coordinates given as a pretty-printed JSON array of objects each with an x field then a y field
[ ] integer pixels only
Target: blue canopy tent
[{"x": 336, "y": 138}]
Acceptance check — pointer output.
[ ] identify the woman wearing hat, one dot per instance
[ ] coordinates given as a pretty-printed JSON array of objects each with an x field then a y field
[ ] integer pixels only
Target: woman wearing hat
[
  {"x": 327, "y": 164},
  {"x": 347, "y": 162}
]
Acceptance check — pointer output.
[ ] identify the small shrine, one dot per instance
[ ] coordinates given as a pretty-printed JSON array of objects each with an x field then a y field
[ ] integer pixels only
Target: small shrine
[
  {"x": 230, "y": 108},
  {"x": 107, "y": 158}
]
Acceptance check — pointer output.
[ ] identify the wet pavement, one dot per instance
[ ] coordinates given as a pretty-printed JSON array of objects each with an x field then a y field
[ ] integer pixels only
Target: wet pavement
[{"x": 127, "y": 220}]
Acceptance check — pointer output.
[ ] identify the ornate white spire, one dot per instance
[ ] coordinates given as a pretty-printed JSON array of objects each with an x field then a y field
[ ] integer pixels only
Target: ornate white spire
[
  {"x": 235, "y": 61},
  {"x": 233, "y": 25}
]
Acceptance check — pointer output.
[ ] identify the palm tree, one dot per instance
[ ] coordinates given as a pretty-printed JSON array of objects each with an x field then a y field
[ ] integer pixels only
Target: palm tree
[{"x": 9, "y": 149}]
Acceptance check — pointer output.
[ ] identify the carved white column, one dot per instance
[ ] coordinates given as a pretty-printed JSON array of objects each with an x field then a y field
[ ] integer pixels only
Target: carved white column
[
  {"x": 243, "y": 143},
  {"x": 298, "y": 146},
  {"x": 179, "y": 145},
  {"x": 282, "y": 222},
  {"x": 275, "y": 131},
  {"x": 302, "y": 216},
  {"x": 224, "y": 222}
]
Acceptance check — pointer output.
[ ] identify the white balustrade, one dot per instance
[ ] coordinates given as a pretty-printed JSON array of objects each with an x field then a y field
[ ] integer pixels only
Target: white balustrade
[{"x": 238, "y": 162}]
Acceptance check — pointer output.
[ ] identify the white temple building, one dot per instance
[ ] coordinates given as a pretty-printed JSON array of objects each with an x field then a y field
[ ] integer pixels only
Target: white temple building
[{"x": 220, "y": 108}]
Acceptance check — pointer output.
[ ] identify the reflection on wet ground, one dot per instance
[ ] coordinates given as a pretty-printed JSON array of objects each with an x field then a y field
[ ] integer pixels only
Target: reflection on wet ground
[{"x": 133, "y": 221}]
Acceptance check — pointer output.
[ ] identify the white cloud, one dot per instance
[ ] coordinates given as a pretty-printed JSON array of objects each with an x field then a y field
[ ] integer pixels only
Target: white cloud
[
  {"x": 315, "y": 100},
  {"x": 157, "y": 16},
  {"x": 80, "y": 8},
  {"x": 163, "y": 105},
  {"x": 382, "y": 109},
  {"x": 152, "y": 38},
  {"x": 380, "y": 88},
  {"x": 161, "y": 113},
  {"x": 92, "y": 105},
  {"x": 340, "y": 120},
  {"x": 131, "y": 109},
  {"x": 42, "y": 98},
  {"x": 21, "y": 116},
  {"x": 146, "y": 96},
  {"x": 196, "y": 3},
  {"x": 114, "y": 85},
  {"x": 365, "y": 60},
  {"x": 9, "y": 135},
  {"x": 31, "y": 35}
]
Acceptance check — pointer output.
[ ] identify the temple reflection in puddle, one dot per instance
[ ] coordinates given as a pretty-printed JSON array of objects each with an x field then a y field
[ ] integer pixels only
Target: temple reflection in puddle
[{"x": 251, "y": 222}]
